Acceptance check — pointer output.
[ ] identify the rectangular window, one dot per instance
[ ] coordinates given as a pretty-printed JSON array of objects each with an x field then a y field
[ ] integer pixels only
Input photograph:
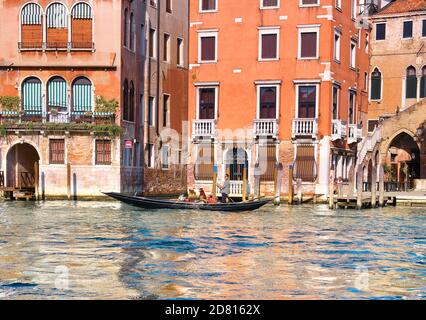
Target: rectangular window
[
  {"x": 336, "y": 96},
  {"x": 424, "y": 28},
  {"x": 380, "y": 31},
  {"x": 372, "y": 124},
  {"x": 169, "y": 6},
  {"x": 269, "y": 4},
  {"x": 351, "y": 111},
  {"x": 127, "y": 157},
  {"x": 206, "y": 103},
  {"x": 353, "y": 55},
  {"x": 338, "y": 4},
  {"x": 208, "y": 5},
  {"x": 367, "y": 42},
  {"x": 305, "y": 164},
  {"x": 407, "y": 29},
  {"x": 166, "y": 109},
  {"x": 103, "y": 152},
  {"x": 307, "y": 99},
  {"x": 204, "y": 164},
  {"x": 179, "y": 53},
  {"x": 152, "y": 44},
  {"x": 268, "y": 45},
  {"x": 150, "y": 156},
  {"x": 337, "y": 36},
  {"x": 308, "y": 43},
  {"x": 353, "y": 9},
  {"x": 308, "y": 2},
  {"x": 166, "y": 52},
  {"x": 165, "y": 157},
  {"x": 207, "y": 51},
  {"x": 57, "y": 151},
  {"x": 268, "y": 102},
  {"x": 151, "y": 111}
]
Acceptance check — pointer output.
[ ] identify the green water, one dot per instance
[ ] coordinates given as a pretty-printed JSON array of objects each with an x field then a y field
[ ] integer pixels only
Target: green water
[{"x": 105, "y": 250}]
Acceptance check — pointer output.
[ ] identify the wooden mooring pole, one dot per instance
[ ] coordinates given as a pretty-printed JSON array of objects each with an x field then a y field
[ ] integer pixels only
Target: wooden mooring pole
[
  {"x": 381, "y": 186},
  {"x": 374, "y": 187},
  {"x": 69, "y": 181},
  {"x": 277, "y": 176},
  {"x": 331, "y": 190},
  {"x": 290, "y": 185},
  {"x": 36, "y": 180},
  {"x": 359, "y": 178},
  {"x": 244, "y": 182},
  {"x": 256, "y": 181},
  {"x": 214, "y": 184}
]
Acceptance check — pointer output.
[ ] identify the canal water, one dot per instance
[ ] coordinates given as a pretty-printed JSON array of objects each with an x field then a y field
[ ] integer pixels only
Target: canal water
[{"x": 105, "y": 250}]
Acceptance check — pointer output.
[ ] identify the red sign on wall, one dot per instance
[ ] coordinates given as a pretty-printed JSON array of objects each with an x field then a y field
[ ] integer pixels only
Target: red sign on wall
[{"x": 128, "y": 144}]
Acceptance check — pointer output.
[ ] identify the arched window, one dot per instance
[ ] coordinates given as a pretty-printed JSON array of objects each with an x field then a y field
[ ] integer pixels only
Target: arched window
[
  {"x": 57, "y": 94},
  {"x": 31, "y": 27},
  {"x": 411, "y": 83},
  {"x": 31, "y": 95},
  {"x": 132, "y": 32},
  {"x": 57, "y": 26},
  {"x": 423, "y": 83},
  {"x": 82, "y": 96},
  {"x": 131, "y": 113},
  {"x": 376, "y": 85},
  {"x": 125, "y": 35},
  {"x": 125, "y": 109},
  {"x": 81, "y": 26}
]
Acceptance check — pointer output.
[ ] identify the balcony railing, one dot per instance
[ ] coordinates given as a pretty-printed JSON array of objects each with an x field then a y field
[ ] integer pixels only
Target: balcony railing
[
  {"x": 338, "y": 131},
  {"x": 354, "y": 133},
  {"x": 236, "y": 188},
  {"x": 204, "y": 128},
  {"x": 305, "y": 128},
  {"x": 265, "y": 128},
  {"x": 11, "y": 118}
]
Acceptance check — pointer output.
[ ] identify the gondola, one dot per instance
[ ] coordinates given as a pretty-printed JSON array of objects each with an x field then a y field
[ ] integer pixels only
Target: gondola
[{"x": 150, "y": 203}]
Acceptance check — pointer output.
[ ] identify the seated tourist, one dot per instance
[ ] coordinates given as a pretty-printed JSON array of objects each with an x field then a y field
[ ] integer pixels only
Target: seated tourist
[
  {"x": 211, "y": 200},
  {"x": 203, "y": 196},
  {"x": 192, "y": 196}
]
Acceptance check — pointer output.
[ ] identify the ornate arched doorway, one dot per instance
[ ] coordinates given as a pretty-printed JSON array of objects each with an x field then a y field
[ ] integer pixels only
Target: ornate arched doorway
[
  {"x": 20, "y": 162},
  {"x": 403, "y": 158}
]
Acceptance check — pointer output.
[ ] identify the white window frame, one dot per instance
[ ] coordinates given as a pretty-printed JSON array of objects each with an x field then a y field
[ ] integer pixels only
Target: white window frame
[
  {"x": 154, "y": 43},
  {"x": 182, "y": 52},
  {"x": 339, "y": 89},
  {"x": 353, "y": 9},
  {"x": 307, "y": 29},
  {"x": 265, "y": 31},
  {"x": 200, "y": 7},
  {"x": 352, "y": 54},
  {"x": 307, "y": 83},
  {"x": 268, "y": 84},
  {"x": 216, "y": 98},
  {"x": 370, "y": 78},
  {"x": 338, "y": 4},
  {"x": 375, "y": 30},
  {"x": 153, "y": 113},
  {"x": 263, "y": 7},
  {"x": 204, "y": 34},
  {"x": 309, "y": 5},
  {"x": 337, "y": 46},
  {"x": 352, "y": 92},
  {"x": 150, "y": 164},
  {"x": 412, "y": 29},
  {"x": 168, "y": 45},
  {"x": 164, "y": 147}
]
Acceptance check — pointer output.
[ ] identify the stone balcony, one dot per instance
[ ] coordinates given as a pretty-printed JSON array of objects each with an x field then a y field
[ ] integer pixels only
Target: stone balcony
[
  {"x": 205, "y": 128},
  {"x": 263, "y": 128},
  {"x": 354, "y": 133},
  {"x": 305, "y": 129},
  {"x": 338, "y": 130}
]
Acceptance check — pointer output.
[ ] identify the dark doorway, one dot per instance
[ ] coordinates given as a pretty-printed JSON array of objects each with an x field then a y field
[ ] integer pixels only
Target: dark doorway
[{"x": 20, "y": 166}]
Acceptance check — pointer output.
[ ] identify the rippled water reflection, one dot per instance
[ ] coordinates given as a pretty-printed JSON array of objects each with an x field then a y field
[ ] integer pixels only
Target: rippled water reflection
[{"x": 107, "y": 250}]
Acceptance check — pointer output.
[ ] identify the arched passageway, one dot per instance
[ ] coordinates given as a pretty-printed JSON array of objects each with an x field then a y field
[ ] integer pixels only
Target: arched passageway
[{"x": 20, "y": 166}]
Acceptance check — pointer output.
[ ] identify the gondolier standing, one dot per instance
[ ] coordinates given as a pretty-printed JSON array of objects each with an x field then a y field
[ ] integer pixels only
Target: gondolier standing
[{"x": 225, "y": 189}]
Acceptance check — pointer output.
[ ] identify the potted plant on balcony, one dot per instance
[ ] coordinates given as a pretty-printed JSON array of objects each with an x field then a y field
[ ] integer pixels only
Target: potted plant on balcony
[
  {"x": 105, "y": 108},
  {"x": 54, "y": 112},
  {"x": 9, "y": 104}
]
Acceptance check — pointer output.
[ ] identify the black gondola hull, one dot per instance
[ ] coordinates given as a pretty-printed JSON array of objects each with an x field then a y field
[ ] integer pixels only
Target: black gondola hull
[{"x": 149, "y": 203}]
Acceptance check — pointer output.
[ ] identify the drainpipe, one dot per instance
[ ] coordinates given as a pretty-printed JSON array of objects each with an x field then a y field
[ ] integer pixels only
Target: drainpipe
[{"x": 157, "y": 104}]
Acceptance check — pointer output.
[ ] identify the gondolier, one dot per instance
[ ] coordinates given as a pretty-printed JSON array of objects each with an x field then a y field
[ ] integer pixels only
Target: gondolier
[{"x": 225, "y": 189}]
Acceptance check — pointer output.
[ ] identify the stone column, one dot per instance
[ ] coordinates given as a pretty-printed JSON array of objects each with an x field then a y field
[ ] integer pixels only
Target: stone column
[{"x": 323, "y": 166}]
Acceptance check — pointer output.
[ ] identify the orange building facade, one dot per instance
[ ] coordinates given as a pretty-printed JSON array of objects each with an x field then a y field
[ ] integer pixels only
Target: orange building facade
[
  {"x": 74, "y": 93},
  {"x": 276, "y": 84}
]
